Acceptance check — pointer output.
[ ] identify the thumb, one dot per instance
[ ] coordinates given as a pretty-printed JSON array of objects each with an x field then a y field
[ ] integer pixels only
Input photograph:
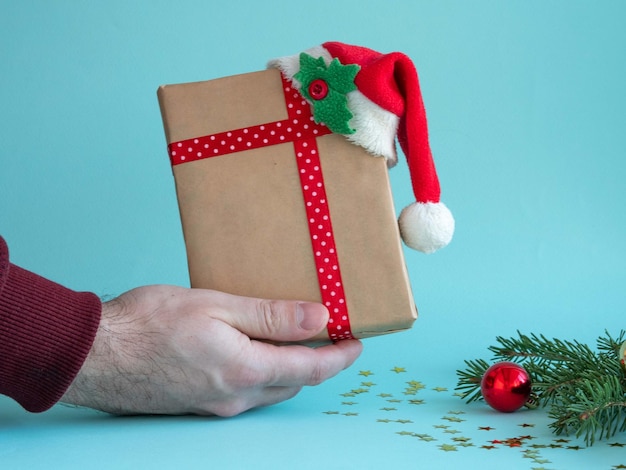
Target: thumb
[{"x": 280, "y": 320}]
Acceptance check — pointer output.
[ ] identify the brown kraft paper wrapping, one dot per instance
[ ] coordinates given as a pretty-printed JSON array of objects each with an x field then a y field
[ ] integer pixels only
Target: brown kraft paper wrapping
[{"x": 243, "y": 217}]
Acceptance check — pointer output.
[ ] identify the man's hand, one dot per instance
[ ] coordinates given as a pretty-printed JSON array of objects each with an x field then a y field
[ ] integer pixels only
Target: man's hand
[{"x": 171, "y": 350}]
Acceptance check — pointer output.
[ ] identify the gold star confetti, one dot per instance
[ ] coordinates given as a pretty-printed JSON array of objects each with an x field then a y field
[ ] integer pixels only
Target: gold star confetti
[
  {"x": 394, "y": 400},
  {"x": 461, "y": 439},
  {"x": 451, "y": 431},
  {"x": 404, "y": 421},
  {"x": 440, "y": 389},
  {"x": 384, "y": 395},
  {"x": 350, "y": 414},
  {"x": 368, "y": 384},
  {"x": 416, "y": 402},
  {"x": 404, "y": 433},
  {"x": 455, "y": 412},
  {"x": 530, "y": 454},
  {"x": 410, "y": 392},
  {"x": 388, "y": 409},
  {"x": 425, "y": 437},
  {"x": 414, "y": 384},
  {"x": 488, "y": 447},
  {"x": 453, "y": 419},
  {"x": 366, "y": 373},
  {"x": 383, "y": 421},
  {"x": 440, "y": 426},
  {"x": 349, "y": 403},
  {"x": 447, "y": 447},
  {"x": 358, "y": 391},
  {"x": 398, "y": 370},
  {"x": 348, "y": 394},
  {"x": 331, "y": 412}
]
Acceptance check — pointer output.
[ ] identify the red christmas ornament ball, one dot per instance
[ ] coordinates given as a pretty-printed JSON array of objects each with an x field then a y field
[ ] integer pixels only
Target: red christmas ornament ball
[{"x": 506, "y": 386}]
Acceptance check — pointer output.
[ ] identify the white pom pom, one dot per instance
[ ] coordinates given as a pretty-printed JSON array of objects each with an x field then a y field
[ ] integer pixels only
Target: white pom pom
[{"x": 427, "y": 226}]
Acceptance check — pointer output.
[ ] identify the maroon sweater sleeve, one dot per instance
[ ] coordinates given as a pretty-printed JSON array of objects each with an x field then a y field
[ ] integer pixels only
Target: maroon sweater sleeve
[{"x": 46, "y": 332}]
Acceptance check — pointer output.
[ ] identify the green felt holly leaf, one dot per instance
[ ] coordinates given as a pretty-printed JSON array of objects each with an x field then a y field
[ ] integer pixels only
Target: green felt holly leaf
[{"x": 325, "y": 87}]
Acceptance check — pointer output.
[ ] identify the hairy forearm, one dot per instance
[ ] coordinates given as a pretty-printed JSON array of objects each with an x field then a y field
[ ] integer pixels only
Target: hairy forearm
[{"x": 119, "y": 373}]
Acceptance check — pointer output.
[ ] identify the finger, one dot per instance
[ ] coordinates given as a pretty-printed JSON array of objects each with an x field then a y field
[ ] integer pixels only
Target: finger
[
  {"x": 276, "y": 320},
  {"x": 294, "y": 366},
  {"x": 262, "y": 396},
  {"x": 271, "y": 395}
]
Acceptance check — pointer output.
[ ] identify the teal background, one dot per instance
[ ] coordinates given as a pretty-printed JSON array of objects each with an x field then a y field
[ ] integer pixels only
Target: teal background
[{"x": 526, "y": 104}]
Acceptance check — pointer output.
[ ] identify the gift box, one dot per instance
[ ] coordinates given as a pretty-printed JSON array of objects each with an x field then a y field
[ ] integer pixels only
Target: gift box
[{"x": 278, "y": 197}]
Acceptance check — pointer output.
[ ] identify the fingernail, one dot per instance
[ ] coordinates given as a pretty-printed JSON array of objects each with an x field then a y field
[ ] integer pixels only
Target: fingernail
[{"x": 311, "y": 316}]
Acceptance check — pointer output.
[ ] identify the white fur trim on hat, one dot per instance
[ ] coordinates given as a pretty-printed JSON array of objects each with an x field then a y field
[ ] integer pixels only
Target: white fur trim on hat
[
  {"x": 375, "y": 127},
  {"x": 426, "y": 227}
]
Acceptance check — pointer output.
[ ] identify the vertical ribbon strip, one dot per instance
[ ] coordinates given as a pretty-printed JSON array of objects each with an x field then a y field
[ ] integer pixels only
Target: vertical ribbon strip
[{"x": 301, "y": 129}]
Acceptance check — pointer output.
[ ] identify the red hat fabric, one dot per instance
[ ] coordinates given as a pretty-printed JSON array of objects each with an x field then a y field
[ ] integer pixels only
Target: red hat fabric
[
  {"x": 390, "y": 81},
  {"x": 388, "y": 104}
]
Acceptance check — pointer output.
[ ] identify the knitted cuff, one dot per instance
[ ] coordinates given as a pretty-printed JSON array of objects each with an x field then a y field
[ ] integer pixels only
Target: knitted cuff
[{"x": 46, "y": 332}]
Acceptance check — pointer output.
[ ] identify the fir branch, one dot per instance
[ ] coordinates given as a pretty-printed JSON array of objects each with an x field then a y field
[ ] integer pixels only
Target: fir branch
[
  {"x": 551, "y": 381},
  {"x": 608, "y": 345},
  {"x": 596, "y": 410},
  {"x": 469, "y": 379},
  {"x": 540, "y": 349}
]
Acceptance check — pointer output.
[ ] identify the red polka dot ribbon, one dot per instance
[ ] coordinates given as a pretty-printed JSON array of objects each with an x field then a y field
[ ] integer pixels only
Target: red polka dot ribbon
[{"x": 301, "y": 129}]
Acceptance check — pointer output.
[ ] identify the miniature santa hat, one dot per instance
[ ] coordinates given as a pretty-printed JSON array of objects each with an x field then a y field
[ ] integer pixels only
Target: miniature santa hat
[{"x": 386, "y": 104}]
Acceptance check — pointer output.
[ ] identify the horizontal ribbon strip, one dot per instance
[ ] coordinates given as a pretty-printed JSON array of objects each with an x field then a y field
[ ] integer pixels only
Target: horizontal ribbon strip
[{"x": 300, "y": 125}]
